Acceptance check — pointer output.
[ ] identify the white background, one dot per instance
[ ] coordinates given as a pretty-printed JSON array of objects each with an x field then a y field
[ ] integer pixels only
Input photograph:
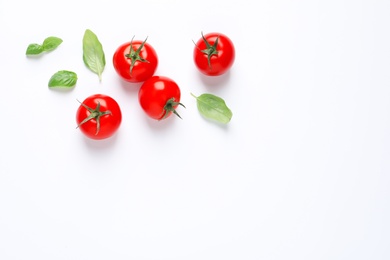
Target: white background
[{"x": 301, "y": 171}]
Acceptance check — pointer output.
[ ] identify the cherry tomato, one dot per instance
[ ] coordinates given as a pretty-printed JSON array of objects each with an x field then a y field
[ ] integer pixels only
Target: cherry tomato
[
  {"x": 98, "y": 116},
  {"x": 135, "y": 61},
  {"x": 214, "y": 54},
  {"x": 159, "y": 97}
]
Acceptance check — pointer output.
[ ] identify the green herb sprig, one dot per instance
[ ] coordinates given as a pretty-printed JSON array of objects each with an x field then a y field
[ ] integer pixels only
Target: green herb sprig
[{"x": 49, "y": 44}]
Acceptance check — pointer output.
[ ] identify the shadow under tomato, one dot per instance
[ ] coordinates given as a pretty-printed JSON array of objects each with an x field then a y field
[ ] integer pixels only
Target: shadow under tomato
[
  {"x": 213, "y": 82},
  {"x": 103, "y": 144},
  {"x": 164, "y": 124},
  {"x": 129, "y": 87}
]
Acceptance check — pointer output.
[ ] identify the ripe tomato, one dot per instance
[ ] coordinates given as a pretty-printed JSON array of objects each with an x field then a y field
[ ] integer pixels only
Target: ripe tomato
[
  {"x": 214, "y": 54},
  {"x": 98, "y": 116},
  {"x": 159, "y": 97},
  {"x": 135, "y": 61}
]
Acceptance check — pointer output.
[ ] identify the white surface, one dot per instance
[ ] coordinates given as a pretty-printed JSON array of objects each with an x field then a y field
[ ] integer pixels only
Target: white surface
[{"x": 301, "y": 172}]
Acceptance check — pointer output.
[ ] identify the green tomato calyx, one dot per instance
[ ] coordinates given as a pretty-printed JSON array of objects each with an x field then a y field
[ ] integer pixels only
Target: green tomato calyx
[
  {"x": 210, "y": 49},
  {"x": 170, "y": 107},
  {"x": 134, "y": 56},
  {"x": 94, "y": 114}
]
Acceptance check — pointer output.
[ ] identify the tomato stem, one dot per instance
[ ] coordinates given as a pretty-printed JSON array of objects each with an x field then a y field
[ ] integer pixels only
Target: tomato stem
[
  {"x": 134, "y": 56},
  {"x": 170, "y": 107},
  {"x": 210, "y": 49},
  {"x": 94, "y": 114}
]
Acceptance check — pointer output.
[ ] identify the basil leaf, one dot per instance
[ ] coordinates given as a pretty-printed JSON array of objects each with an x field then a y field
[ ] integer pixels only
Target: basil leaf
[
  {"x": 50, "y": 43},
  {"x": 34, "y": 49},
  {"x": 213, "y": 107},
  {"x": 63, "y": 78},
  {"x": 93, "y": 54}
]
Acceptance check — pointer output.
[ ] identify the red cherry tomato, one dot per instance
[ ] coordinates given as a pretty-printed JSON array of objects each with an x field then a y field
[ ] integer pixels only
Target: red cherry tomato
[
  {"x": 98, "y": 116},
  {"x": 135, "y": 61},
  {"x": 159, "y": 97},
  {"x": 214, "y": 54}
]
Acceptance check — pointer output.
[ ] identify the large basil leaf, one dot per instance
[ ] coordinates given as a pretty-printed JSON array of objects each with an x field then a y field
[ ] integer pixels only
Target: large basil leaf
[{"x": 93, "y": 54}]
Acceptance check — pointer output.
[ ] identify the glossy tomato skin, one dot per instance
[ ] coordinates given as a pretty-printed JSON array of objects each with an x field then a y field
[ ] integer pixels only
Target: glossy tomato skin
[
  {"x": 109, "y": 122},
  {"x": 154, "y": 94},
  {"x": 141, "y": 71},
  {"x": 220, "y": 62}
]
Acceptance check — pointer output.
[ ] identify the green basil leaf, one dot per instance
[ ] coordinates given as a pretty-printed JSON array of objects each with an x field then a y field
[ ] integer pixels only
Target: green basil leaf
[
  {"x": 63, "y": 78},
  {"x": 50, "y": 43},
  {"x": 93, "y": 54},
  {"x": 34, "y": 49},
  {"x": 213, "y": 107}
]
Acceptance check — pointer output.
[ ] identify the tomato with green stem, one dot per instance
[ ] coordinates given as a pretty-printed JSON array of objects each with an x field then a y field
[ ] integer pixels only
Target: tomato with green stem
[
  {"x": 98, "y": 116},
  {"x": 159, "y": 97},
  {"x": 214, "y": 54},
  {"x": 135, "y": 61}
]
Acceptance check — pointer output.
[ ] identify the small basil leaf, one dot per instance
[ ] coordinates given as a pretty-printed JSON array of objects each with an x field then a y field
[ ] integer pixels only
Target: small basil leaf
[
  {"x": 93, "y": 54},
  {"x": 63, "y": 78},
  {"x": 34, "y": 49},
  {"x": 50, "y": 43},
  {"x": 213, "y": 107}
]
